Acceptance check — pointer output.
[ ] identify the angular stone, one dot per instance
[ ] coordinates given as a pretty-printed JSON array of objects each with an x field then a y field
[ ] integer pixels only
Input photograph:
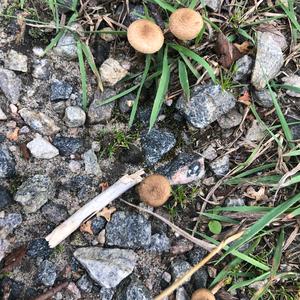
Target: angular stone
[
  {"x": 210, "y": 153},
  {"x": 3, "y": 116},
  {"x": 98, "y": 113},
  {"x": 85, "y": 284},
  {"x": 106, "y": 294},
  {"x": 91, "y": 163},
  {"x": 66, "y": 46},
  {"x": 5, "y": 197},
  {"x": 60, "y": 90},
  {"x": 38, "y": 248},
  {"x": 68, "y": 145},
  {"x": 200, "y": 277},
  {"x": 98, "y": 224},
  {"x": 184, "y": 168},
  {"x": 268, "y": 62},
  {"x": 220, "y": 166},
  {"x": 74, "y": 116},
  {"x": 179, "y": 267},
  {"x": 232, "y": 119},
  {"x": 156, "y": 143},
  {"x": 243, "y": 67},
  {"x": 263, "y": 98},
  {"x": 54, "y": 213},
  {"x": 293, "y": 80},
  {"x": 133, "y": 289},
  {"x": 215, "y": 5},
  {"x": 42, "y": 149},
  {"x": 39, "y": 122},
  {"x": 41, "y": 69},
  {"x": 159, "y": 243},
  {"x": 10, "y": 85},
  {"x": 35, "y": 192},
  {"x": 16, "y": 61},
  {"x": 7, "y": 164},
  {"x": 108, "y": 267},
  {"x": 47, "y": 273},
  {"x": 207, "y": 104},
  {"x": 111, "y": 72},
  {"x": 9, "y": 222},
  {"x": 128, "y": 230},
  {"x": 255, "y": 133}
]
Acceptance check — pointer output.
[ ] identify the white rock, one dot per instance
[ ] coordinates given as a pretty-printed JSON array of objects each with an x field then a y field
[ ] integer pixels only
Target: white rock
[
  {"x": 293, "y": 80},
  {"x": 38, "y": 51},
  {"x": 91, "y": 163},
  {"x": 16, "y": 61},
  {"x": 2, "y": 115},
  {"x": 74, "y": 166},
  {"x": 41, "y": 148},
  {"x": 74, "y": 116},
  {"x": 111, "y": 72}
]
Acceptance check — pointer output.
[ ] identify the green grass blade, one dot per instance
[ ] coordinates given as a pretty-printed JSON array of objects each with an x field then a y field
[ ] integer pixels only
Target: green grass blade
[
  {"x": 190, "y": 66},
  {"x": 244, "y": 33},
  {"x": 22, "y": 2},
  {"x": 197, "y": 58},
  {"x": 277, "y": 254},
  {"x": 248, "y": 282},
  {"x": 292, "y": 153},
  {"x": 165, "y": 5},
  {"x": 220, "y": 218},
  {"x": 90, "y": 59},
  {"x": 242, "y": 209},
  {"x": 161, "y": 91},
  {"x": 184, "y": 80},
  {"x": 135, "y": 105},
  {"x": 193, "y": 4},
  {"x": 82, "y": 75},
  {"x": 263, "y": 222},
  {"x": 290, "y": 12}
]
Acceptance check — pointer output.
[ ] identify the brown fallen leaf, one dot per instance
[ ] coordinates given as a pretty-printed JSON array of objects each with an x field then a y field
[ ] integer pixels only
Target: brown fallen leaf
[
  {"x": 103, "y": 186},
  {"x": 14, "y": 135},
  {"x": 245, "y": 98},
  {"x": 13, "y": 259},
  {"x": 228, "y": 52},
  {"x": 24, "y": 151},
  {"x": 106, "y": 213},
  {"x": 259, "y": 195},
  {"x": 86, "y": 227},
  {"x": 243, "y": 48}
]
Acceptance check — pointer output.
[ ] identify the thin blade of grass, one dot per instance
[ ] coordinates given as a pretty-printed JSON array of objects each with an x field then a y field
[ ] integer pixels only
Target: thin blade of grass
[
  {"x": 135, "y": 104},
  {"x": 197, "y": 58},
  {"x": 277, "y": 254},
  {"x": 242, "y": 209},
  {"x": 290, "y": 12},
  {"x": 219, "y": 218},
  {"x": 165, "y": 5},
  {"x": 90, "y": 59},
  {"x": 190, "y": 66},
  {"x": 193, "y": 4},
  {"x": 161, "y": 91},
  {"x": 292, "y": 153},
  {"x": 82, "y": 75},
  {"x": 184, "y": 80},
  {"x": 244, "y": 33},
  {"x": 241, "y": 284},
  {"x": 263, "y": 222}
]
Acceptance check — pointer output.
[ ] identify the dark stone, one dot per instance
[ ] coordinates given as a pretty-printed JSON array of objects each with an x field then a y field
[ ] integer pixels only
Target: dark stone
[
  {"x": 5, "y": 197},
  {"x": 179, "y": 267},
  {"x": 184, "y": 168},
  {"x": 101, "y": 52},
  {"x": 15, "y": 289},
  {"x": 60, "y": 90},
  {"x": 124, "y": 103},
  {"x": 54, "y": 213},
  {"x": 128, "y": 230},
  {"x": 30, "y": 293},
  {"x": 263, "y": 98},
  {"x": 131, "y": 155},
  {"x": 85, "y": 283},
  {"x": 46, "y": 273},
  {"x": 208, "y": 102},
  {"x": 11, "y": 221},
  {"x": 220, "y": 166},
  {"x": 79, "y": 182},
  {"x": 136, "y": 13},
  {"x": 156, "y": 143},
  {"x": 2, "y": 138},
  {"x": 132, "y": 289},
  {"x": 159, "y": 243},
  {"x": 7, "y": 164},
  {"x": 68, "y": 145},
  {"x": 199, "y": 279},
  {"x": 98, "y": 224},
  {"x": 38, "y": 248},
  {"x": 244, "y": 67},
  {"x": 106, "y": 294}
]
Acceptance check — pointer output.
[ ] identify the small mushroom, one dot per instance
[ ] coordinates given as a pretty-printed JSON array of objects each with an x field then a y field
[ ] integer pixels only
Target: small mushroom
[
  {"x": 203, "y": 294},
  {"x": 185, "y": 23},
  {"x": 154, "y": 190},
  {"x": 145, "y": 36}
]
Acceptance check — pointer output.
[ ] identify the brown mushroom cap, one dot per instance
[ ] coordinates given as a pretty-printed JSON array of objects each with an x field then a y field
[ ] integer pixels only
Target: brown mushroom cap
[
  {"x": 203, "y": 294},
  {"x": 145, "y": 36},
  {"x": 154, "y": 190},
  {"x": 185, "y": 23}
]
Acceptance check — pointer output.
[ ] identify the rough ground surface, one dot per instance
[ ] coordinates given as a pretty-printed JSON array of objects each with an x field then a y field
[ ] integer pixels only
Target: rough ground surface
[{"x": 55, "y": 156}]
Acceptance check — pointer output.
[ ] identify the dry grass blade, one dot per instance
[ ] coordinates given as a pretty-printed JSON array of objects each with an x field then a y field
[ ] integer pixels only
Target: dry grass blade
[{"x": 199, "y": 265}]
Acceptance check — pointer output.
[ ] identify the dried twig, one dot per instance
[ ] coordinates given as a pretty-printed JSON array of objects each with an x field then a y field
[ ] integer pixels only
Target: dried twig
[
  {"x": 50, "y": 293},
  {"x": 196, "y": 267},
  {"x": 203, "y": 244},
  {"x": 99, "y": 202}
]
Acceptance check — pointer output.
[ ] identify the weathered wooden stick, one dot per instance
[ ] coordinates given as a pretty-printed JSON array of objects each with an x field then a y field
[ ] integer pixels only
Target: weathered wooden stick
[{"x": 99, "y": 202}]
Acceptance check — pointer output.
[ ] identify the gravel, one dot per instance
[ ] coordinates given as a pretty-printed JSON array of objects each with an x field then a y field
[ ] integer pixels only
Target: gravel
[
  {"x": 244, "y": 67},
  {"x": 111, "y": 71},
  {"x": 16, "y": 61},
  {"x": 134, "y": 289},
  {"x": 7, "y": 164},
  {"x": 263, "y": 97},
  {"x": 41, "y": 69},
  {"x": 220, "y": 166},
  {"x": 208, "y": 103},
  {"x": 159, "y": 243},
  {"x": 156, "y": 144},
  {"x": 42, "y": 149},
  {"x": 10, "y": 85},
  {"x": 98, "y": 223},
  {"x": 200, "y": 277},
  {"x": 85, "y": 283},
  {"x": 47, "y": 273},
  {"x": 34, "y": 193},
  {"x": 68, "y": 145},
  {"x": 128, "y": 230},
  {"x": 5, "y": 197},
  {"x": 232, "y": 119},
  {"x": 179, "y": 267},
  {"x": 3, "y": 116},
  {"x": 60, "y": 90},
  {"x": 54, "y": 213},
  {"x": 38, "y": 248},
  {"x": 107, "y": 267},
  {"x": 91, "y": 163},
  {"x": 74, "y": 116}
]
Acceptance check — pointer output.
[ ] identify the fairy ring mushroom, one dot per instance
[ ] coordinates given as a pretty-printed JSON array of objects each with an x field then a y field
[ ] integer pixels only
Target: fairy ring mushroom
[
  {"x": 185, "y": 23},
  {"x": 203, "y": 294},
  {"x": 145, "y": 36},
  {"x": 154, "y": 190}
]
